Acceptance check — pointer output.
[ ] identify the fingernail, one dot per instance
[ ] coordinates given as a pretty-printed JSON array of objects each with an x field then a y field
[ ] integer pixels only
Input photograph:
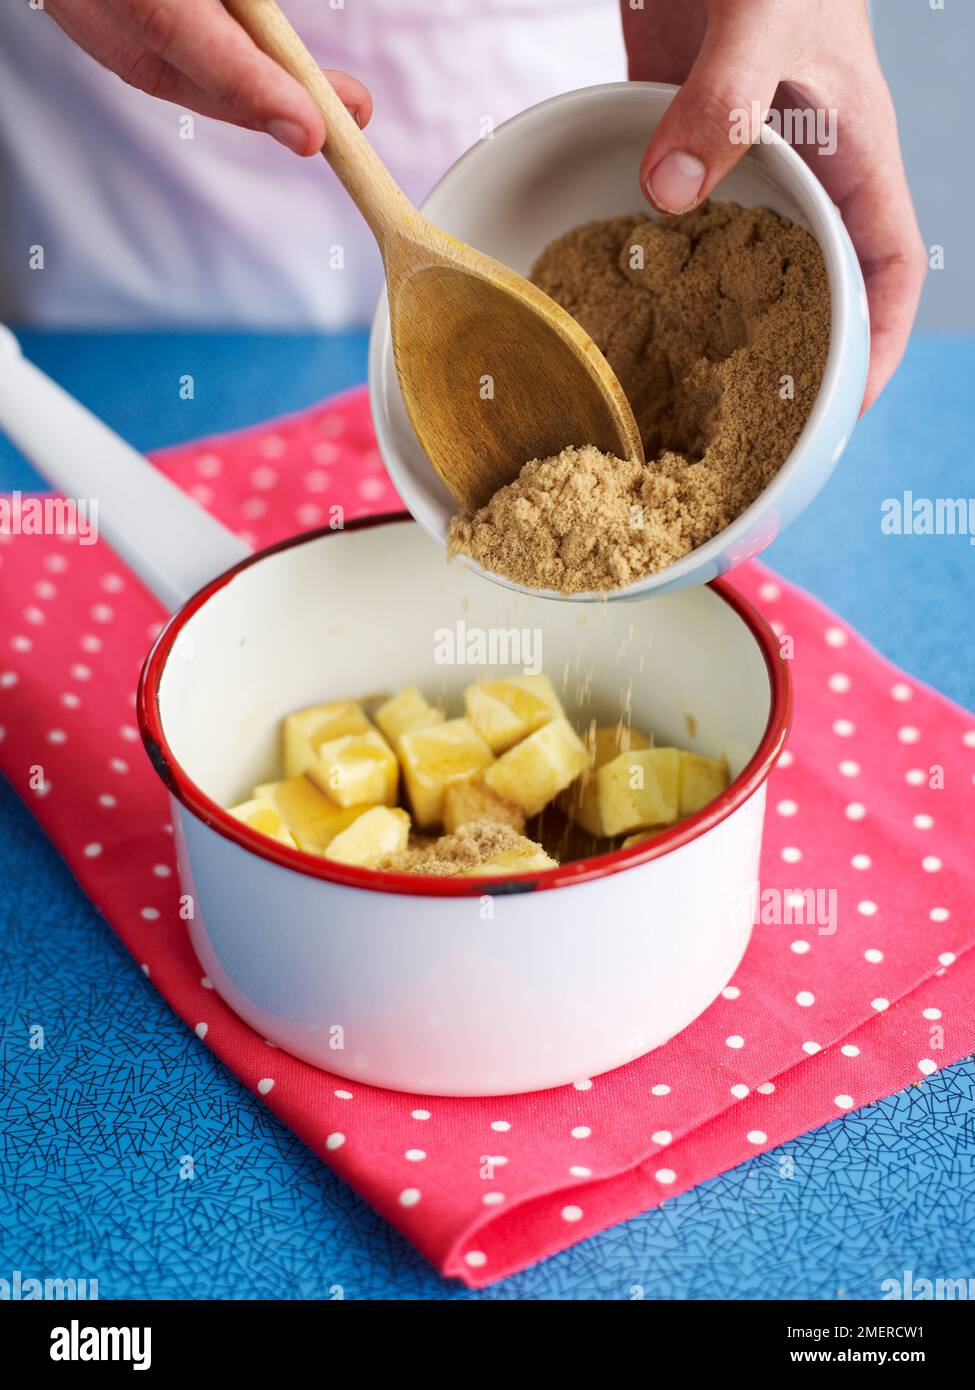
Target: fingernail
[
  {"x": 294, "y": 137},
  {"x": 676, "y": 182}
]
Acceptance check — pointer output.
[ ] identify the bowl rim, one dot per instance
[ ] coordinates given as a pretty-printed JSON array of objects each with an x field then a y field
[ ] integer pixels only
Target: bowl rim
[
  {"x": 847, "y": 295},
  {"x": 218, "y": 818}
]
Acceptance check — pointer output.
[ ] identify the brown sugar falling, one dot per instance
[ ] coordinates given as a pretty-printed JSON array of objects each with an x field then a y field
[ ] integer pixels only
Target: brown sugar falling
[
  {"x": 467, "y": 848},
  {"x": 717, "y": 326}
]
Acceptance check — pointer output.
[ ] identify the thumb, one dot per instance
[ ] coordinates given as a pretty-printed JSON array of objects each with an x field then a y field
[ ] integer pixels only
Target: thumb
[{"x": 747, "y": 50}]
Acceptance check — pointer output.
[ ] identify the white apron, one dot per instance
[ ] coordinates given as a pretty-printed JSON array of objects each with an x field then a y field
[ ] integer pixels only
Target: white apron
[{"x": 141, "y": 227}]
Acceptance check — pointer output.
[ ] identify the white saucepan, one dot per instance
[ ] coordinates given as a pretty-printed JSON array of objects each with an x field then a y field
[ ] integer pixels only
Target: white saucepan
[{"x": 437, "y": 985}]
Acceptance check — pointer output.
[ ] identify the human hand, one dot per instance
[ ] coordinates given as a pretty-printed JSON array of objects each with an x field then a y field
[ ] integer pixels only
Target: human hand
[
  {"x": 195, "y": 54},
  {"x": 813, "y": 54}
]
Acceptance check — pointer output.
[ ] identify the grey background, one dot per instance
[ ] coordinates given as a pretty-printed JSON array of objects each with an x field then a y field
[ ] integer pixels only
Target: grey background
[{"x": 927, "y": 57}]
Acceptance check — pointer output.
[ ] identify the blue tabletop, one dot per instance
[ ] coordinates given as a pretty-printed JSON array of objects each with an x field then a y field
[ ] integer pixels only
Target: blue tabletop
[{"x": 94, "y": 1127}]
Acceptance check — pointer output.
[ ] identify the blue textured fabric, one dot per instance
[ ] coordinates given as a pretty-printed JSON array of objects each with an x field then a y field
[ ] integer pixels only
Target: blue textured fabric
[{"x": 94, "y": 1127}]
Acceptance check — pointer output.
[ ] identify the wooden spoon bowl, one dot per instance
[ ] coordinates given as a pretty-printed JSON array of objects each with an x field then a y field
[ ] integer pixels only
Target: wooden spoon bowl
[{"x": 493, "y": 372}]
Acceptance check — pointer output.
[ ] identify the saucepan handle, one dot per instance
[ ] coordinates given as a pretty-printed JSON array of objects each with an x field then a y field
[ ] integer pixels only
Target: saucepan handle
[{"x": 171, "y": 543}]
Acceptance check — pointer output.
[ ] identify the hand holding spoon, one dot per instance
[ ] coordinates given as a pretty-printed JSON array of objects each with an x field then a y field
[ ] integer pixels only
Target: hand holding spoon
[{"x": 493, "y": 372}]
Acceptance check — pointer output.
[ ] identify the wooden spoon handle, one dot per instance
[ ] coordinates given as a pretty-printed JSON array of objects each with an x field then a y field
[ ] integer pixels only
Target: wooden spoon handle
[{"x": 369, "y": 183}]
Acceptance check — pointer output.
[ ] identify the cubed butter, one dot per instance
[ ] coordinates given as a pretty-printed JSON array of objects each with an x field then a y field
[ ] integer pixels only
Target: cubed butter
[
  {"x": 701, "y": 780},
  {"x": 506, "y": 711},
  {"x": 359, "y": 769},
  {"x": 312, "y": 818},
  {"x": 470, "y": 800},
  {"x": 436, "y": 757},
  {"x": 307, "y": 729},
  {"x": 525, "y": 858},
  {"x": 580, "y": 801},
  {"x": 262, "y": 816},
  {"x": 377, "y": 832},
  {"x": 639, "y": 789},
  {"x": 535, "y": 770},
  {"x": 405, "y": 711},
  {"x": 642, "y": 835}
]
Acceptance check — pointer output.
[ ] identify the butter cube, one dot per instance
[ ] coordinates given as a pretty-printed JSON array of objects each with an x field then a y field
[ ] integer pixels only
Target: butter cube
[
  {"x": 532, "y": 772},
  {"x": 701, "y": 780},
  {"x": 405, "y": 711},
  {"x": 261, "y": 815},
  {"x": 639, "y": 789},
  {"x": 581, "y": 800},
  {"x": 377, "y": 832},
  {"x": 470, "y": 800},
  {"x": 307, "y": 729},
  {"x": 642, "y": 835},
  {"x": 311, "y": 817},
  {"x": 359, "y": 769},
  {"x": 434, "y": 758},
  {"x": 506, "y": 711},
  {"x": 524, "y": 858}
]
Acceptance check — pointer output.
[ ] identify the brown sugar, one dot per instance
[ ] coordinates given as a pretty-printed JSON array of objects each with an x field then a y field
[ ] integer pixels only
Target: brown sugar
[
  {"x": 717, "y": 326},
  {"x": 467, "y": 848}
]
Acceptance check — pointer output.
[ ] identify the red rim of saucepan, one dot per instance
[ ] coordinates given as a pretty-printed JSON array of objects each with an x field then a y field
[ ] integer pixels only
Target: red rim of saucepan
[{"x": 426, "y": 885}]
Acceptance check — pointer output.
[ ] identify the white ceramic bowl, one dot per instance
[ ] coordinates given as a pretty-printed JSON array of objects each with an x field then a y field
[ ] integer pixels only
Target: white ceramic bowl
[
  {"x": 576, "y": 158},
  {"x": 456, "y": 986}
]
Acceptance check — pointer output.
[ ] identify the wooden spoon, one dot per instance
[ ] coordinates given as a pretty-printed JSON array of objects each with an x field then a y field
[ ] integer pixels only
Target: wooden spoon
[{"x": 493, "y": 372}]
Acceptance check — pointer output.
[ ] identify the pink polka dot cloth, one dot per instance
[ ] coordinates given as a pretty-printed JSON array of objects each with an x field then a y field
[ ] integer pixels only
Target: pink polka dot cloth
[{"x": 859, "y": 980}]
